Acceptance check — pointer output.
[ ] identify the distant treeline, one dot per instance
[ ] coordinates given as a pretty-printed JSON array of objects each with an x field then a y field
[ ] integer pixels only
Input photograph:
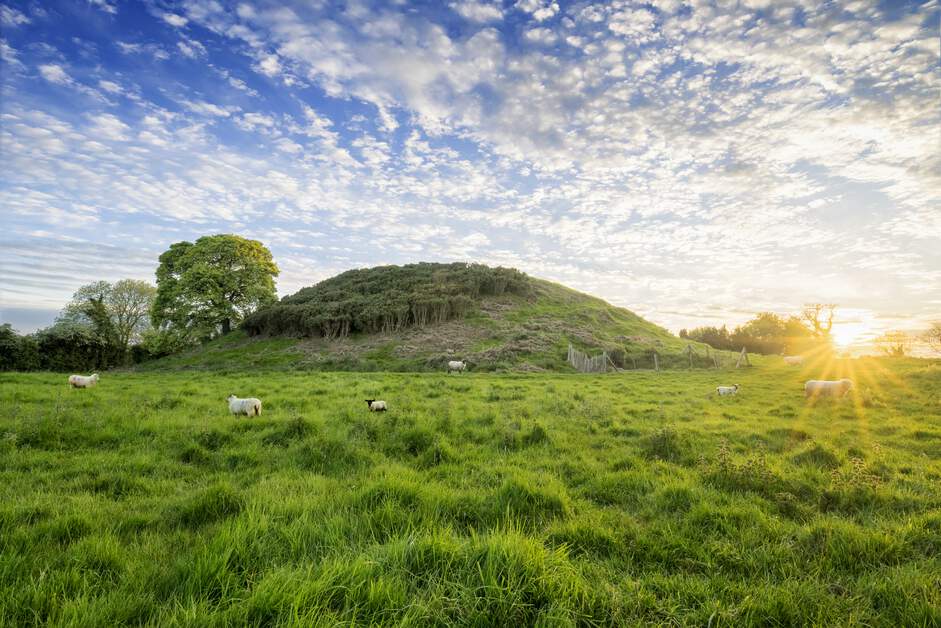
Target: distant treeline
[
  {"x": 767, "y": 334},
  {"x": 385, "y": 299}
]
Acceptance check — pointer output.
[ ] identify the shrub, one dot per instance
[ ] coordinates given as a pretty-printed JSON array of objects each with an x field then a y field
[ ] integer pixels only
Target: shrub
[{"x": 385, "y": 299}]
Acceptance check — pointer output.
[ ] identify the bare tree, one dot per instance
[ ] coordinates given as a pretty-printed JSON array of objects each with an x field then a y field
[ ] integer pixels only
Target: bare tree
[
  {"x": 820, "y": 317},
  {"x": 932, "y": 337}
]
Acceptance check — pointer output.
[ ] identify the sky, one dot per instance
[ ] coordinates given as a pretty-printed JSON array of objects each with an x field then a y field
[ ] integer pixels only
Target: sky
[{"x": 693, "y": 161}]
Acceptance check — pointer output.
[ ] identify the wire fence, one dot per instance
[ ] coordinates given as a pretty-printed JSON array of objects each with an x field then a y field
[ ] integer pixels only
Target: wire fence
[{"x": 652, "y": 360}]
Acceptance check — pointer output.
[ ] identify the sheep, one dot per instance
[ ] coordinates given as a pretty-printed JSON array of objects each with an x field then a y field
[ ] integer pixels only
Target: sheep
[
  {"x": 376, "y": 405},
  {"x": 249, "y": 407},
  {"x": 82, "y": 381},
  {"x": 793, "y": 360},
  {"x": 727, "y": 390},
  {"x": 824, "y": 388},
  {"x": 457, "y": 365}
]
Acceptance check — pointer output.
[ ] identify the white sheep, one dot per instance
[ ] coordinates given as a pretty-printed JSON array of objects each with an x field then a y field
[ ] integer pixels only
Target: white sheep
[
  {"x": 250, "y": 406},
  {"x": 457, "y": 365},
  {"x": 727, "y": 390},
  {"x": 83, "y": 381},
  {"x": 825, "y": 388},
  {"x": 376, "y": 405},
  {"x": 793, "y": 360}
]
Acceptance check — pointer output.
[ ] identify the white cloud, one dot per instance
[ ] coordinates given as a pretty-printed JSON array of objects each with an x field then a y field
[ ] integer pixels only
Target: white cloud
[
  {"x": 540, "y": 9},
  {"x": 11, "y": 17},
  {"x": 9, "y": 57},
  {"x": 104, "y": 5},
  {"x": 269, "y": 65},
  {"x": 208, "y": 109},
  {"x": 110, "y": 86},
  {"x": 543, "y": 36},
  {"x": 475, "y": 11},
  {"x": 54, "y": 74},
  {"x": 252, "y": 121},
  {"x": 174, "y": 20},
  {"x": 154, "y": 50},
  {"x": 191, "y": 48},
  {"x": 106, "y": 126}
]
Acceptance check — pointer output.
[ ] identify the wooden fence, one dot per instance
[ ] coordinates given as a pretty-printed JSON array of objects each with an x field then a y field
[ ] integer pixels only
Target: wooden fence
[{"x": 590, "y": 364}]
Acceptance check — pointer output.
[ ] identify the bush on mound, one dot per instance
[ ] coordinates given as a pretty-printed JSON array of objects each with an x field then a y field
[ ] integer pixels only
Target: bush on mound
[{"x": 385, "y": 299}]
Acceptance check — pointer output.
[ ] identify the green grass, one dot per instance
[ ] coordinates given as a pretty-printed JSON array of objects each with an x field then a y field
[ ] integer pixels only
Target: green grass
[{"x": 482, "y": 500}]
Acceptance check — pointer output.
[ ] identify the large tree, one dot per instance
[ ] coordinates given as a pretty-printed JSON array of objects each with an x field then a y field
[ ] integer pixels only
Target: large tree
[
  {"x": 119, "y": 311},
  {"x": 207, "y": 287}
]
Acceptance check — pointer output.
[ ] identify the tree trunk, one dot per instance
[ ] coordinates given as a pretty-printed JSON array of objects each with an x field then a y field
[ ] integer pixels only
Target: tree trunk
[{"x": 226, "y": 326}]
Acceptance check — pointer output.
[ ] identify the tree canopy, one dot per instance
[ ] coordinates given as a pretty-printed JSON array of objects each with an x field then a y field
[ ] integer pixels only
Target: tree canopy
[
  {"x": 207, "y": 287},
  {"x": 767, "y": 333}
]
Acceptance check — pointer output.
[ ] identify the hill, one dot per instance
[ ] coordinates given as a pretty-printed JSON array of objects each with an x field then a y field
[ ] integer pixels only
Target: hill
[{"x": 419, "y": 316}]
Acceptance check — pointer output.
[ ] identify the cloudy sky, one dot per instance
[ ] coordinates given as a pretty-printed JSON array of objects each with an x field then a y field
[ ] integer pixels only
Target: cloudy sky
[{"x": 693, "y": 161}]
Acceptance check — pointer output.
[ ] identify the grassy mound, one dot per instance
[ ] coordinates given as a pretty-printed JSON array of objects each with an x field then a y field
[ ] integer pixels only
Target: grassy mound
[{"x": 419, "y": 316}]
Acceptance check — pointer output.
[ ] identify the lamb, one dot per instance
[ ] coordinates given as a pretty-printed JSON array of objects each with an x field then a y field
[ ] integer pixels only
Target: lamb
[
  {"x": 376, "y": 405},
  {"x": 457, "y": 365},
  {"x": 727, "y": 390},
  {"x": 83, "y": 381},
  {"x": 793, "y": 360},
  {"x": 825, "y": 388},
  {"x": 249, "y": 407}
]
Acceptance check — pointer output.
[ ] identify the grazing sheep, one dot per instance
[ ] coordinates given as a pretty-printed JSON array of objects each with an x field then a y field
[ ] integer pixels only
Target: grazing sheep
[
  {"x": 793, "y": 360},
  {"x": 727, "y": 390},
  {"x": 83, "y": 381},
  {"x": 825, "y": 388},
  {"x": 376, "y": 406},
  {"x": 457, "y": 365},
  {"x": 249, "y": 406}
]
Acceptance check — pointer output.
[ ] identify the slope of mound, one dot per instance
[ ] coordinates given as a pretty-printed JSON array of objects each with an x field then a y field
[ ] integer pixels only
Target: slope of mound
[{"x": 419, "y": 316}]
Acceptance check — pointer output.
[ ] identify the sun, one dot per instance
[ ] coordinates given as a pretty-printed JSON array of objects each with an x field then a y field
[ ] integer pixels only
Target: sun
[{"x": 847, "y": 334}]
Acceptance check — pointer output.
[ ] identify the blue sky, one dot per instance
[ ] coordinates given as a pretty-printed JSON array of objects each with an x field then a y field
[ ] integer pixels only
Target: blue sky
[{"x": 693, "y": 161}]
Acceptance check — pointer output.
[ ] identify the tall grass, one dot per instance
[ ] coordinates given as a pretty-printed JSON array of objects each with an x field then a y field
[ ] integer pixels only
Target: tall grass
[{"x": 477, "y": 500}]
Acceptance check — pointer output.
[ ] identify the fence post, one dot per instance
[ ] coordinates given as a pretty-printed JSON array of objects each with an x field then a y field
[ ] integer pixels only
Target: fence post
[{"x": 656, "y": 362}]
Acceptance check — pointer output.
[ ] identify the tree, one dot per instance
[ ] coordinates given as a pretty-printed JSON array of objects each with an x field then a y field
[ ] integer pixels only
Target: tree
[
  {"x": 894, "y": 343},
  {"x": 126, "y": 304},
  {"x": 814, "y": 314},
  {"x": 763, "y": 334},
  {"x": 129, "y": 306},
  {"x": 715, "y": 337},
  {"x": 17, "y": 353},
  {"x": 932, "y": 337},
  {"x": 206, "y": 287}
]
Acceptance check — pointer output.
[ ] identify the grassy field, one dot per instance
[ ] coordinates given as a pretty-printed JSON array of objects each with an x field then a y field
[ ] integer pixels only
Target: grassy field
[{"x": 483, "y": 500}]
